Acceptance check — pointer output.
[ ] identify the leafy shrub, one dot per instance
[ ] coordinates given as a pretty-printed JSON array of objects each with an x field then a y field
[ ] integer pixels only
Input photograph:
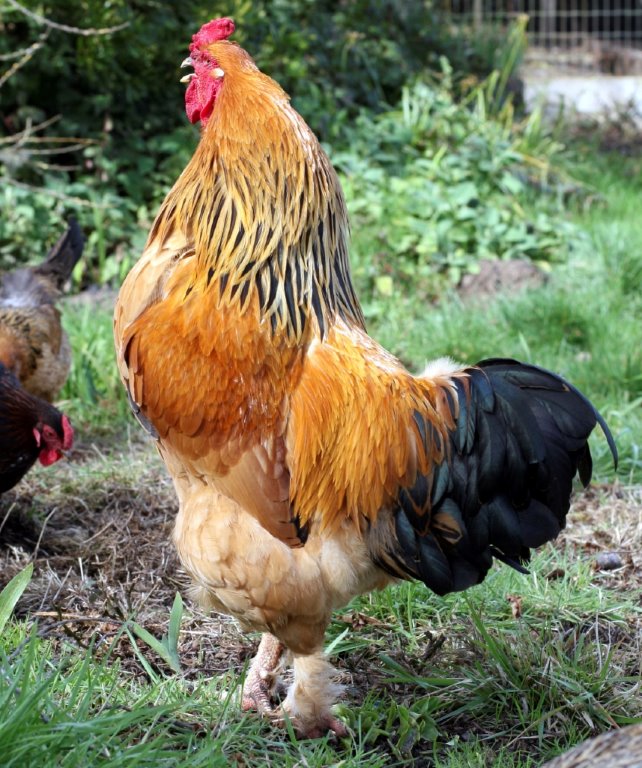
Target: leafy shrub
[{"x": 438, "y": 184}]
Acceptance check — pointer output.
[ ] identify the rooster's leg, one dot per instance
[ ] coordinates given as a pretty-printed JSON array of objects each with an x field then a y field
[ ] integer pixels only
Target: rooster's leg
[
  {"x": 262, "y": 676},
  {"x": 310, "y": 697}
]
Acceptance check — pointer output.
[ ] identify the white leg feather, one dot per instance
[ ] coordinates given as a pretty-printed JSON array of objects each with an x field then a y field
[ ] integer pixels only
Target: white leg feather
[{"x": 311, "y": 696}]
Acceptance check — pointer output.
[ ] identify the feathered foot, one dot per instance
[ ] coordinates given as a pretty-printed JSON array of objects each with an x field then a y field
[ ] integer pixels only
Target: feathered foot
[
  {"x": 310, "y": 697},
  {"x": 262, "y": 677}
]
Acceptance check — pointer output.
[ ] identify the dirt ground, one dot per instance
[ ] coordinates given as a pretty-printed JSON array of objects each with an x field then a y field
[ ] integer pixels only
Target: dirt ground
[{"x": 99, "y": 533}]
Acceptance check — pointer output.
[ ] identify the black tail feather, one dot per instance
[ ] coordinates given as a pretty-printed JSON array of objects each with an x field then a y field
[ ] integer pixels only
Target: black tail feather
[
  {"x": 64, "y": 255},
  {"x": 508, "y": 365},
  {"x": 519, "y": 438}
]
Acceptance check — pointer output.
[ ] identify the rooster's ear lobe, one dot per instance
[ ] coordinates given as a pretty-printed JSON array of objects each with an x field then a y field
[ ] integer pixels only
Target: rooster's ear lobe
[{"x": 38, "y": 436}]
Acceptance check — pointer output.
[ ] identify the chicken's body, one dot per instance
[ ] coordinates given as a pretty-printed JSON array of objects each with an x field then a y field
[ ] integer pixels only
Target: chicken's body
[
  {"x": 310, "y": 466},
  {"x": 619, "y": 748},
  {"x": 30, "y": 428},
  {"x": 33, "y": 344}
]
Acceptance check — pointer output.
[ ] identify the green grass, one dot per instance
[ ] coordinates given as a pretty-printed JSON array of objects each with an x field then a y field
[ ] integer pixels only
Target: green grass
[
  {"x": 510, "y": 689},
  {"x": 93, "y": 395},
  {"x": 455, "y": 682}
]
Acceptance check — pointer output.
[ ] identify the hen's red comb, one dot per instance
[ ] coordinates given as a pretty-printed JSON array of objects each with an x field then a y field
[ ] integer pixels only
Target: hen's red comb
[{"x": 212, "y": 32}]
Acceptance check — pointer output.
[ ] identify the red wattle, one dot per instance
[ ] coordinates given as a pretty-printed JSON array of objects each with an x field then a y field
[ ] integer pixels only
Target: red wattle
[
  {"x": 201, "y": 94},
  {"x": 49, "y": 456},
  {"x": 192, "y": 102},
  {"x": 67, "y": 434}
]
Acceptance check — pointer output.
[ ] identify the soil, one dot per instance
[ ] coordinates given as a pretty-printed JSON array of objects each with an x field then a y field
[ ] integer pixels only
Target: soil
[
  {"x": 501, "y": 277},
  {"x": 98, "y": 530},
  {"x": 100, "y": 540}
]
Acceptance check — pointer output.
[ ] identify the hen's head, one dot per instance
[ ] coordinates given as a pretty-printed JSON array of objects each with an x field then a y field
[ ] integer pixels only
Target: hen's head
[
  {"x": 207, "y": 78},
  {"x": 54, "y": 435}
]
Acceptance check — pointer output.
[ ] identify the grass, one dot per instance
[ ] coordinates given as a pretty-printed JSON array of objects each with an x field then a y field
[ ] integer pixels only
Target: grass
[
  {"x": 457, "y": 678},
  {"x": 93, "y": 394},
  {"x": 507, "y": 674}
]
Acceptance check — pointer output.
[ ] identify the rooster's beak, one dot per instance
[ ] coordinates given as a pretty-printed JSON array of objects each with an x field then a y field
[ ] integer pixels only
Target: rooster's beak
[{"x": 188, "y": 62}]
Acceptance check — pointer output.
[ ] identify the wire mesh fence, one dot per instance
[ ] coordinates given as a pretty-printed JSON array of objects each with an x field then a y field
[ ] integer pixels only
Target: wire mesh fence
[{"x": 577, "y": 36}]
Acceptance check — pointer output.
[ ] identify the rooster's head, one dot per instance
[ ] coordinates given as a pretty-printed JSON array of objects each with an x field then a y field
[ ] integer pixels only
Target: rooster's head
[{"x": 207, "y": 77}]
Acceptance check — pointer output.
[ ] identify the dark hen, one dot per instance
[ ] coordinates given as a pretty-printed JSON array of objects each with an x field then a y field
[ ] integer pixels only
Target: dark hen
[{"x": 30, "y": 429}]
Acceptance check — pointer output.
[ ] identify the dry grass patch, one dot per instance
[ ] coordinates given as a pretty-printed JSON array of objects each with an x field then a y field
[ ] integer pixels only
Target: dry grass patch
[{"x": 510, "y": 668}]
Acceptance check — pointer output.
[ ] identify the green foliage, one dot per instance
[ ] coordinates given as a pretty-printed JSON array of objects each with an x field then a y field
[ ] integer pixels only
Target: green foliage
[
  {"x": 93, "y": 395},
  {"x": 439, "y": 183},
  {"x": 71, "y": 709},
  {"x": 101, "y": 83},
  {"x": 167, "y": 646},
  {"x": 12, "y": 593},
  {"x": 331, "y": 55},
  {"x": 120, "y": 93},
  {"x": 336, "y": 59}
]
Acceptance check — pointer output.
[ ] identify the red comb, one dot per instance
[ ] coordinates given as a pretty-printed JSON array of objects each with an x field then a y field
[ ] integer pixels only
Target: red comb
[
  {"x": 68, "y": 433},
  {"x": 212, "y": 32}
]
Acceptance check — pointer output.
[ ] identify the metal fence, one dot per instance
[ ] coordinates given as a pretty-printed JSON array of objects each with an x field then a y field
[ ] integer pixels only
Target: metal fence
[{"x": 601, "y": 36}]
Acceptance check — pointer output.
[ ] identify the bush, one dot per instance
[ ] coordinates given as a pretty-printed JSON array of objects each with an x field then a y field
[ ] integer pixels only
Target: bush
[{"x": 438, "y": 184}]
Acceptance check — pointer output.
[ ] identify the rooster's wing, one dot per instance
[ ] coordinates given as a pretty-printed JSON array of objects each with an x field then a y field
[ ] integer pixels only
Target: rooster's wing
[{"x": 443, "y": 472}]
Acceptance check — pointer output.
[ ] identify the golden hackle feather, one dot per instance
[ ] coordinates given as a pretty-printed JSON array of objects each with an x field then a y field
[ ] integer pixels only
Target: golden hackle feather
[
  {"x": 352, "y": 437},
  {"x": 262, "y": 207}
]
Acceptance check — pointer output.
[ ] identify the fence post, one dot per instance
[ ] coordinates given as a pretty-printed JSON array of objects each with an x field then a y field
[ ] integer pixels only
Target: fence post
[{"x": 478, "y": 13}]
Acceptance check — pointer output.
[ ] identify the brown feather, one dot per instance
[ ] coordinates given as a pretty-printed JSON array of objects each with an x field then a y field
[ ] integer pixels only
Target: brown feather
[{"x": 33, "y": 344}]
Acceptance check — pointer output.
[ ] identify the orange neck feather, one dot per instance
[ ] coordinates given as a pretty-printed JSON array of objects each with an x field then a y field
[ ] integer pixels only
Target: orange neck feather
[{"x": 263, "y": 207}]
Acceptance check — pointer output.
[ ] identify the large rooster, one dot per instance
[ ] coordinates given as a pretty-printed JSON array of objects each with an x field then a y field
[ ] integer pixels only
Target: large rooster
[{"x": 310, "y": 466}]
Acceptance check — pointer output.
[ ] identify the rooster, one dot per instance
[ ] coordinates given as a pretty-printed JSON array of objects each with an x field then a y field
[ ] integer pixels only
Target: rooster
[
  {"x": 33, "y": 344},
  {"x": 309, "y": 464},
  {"x": 30, "y": 429}
]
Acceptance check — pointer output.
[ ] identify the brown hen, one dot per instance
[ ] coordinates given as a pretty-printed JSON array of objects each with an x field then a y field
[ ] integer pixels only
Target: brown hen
[
  {"x": 310, "y": 466},
  {"x": 33, "y": 344},
  {"x": 619, "y": 748}
]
